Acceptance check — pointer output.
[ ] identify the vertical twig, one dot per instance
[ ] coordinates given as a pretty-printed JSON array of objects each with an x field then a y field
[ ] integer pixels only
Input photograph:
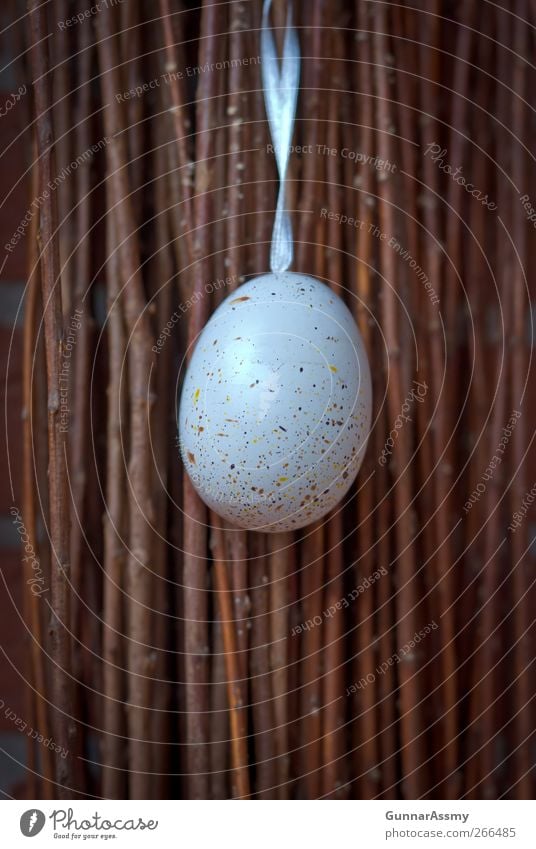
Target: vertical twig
[
  {"x": 524, "y": 727},
  {"x": 195, "y": 535},
  {"x": 263, "y": 711},
  {"x": 281, "y": 564},
  {"x": 141, "y": 514},
  {"x": 365, "y": 756},
  {"x": 79, "y": 381},
  {"x": 178, "y": 98},
  {"x": 237, "y": 708},
  {"x": 488, "y": 677},
  {"x": 406, "y": 595},
  {"x": 333, "y": 777},
  {"x": 63, "y": 724},
  {"x": 311, "y": 582},
  {"x": 61, "y": 105},
  {"x": 32, "y": 602},
  {"x": 115, "y": 531},
  {"x": 163, "y": 267}
]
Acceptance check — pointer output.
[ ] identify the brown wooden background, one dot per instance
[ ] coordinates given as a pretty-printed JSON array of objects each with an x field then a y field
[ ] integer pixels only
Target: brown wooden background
[{"x": 162, "y": 656}]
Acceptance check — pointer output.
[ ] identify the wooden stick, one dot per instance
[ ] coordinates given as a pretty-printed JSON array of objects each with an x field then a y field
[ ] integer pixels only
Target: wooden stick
[
  {"x": 80, "y": 372},
  {"x": 63, "y": 723},
  {"x": 32, "y": 602},
  {"x": 163, "y": 418},
  {"x": 63, "y": 149},
  {"x": 130, "y": 39},
  {"x": 365, "y": 754},
  {"x": 406, "y": 597},
  {"x": 520, "y": 366},
  {"x": 452, "y": 300},
  {"x": 264, "y": 717},
  {"x": 237, "y": 708},
  {"x": 195, "y": 536},
  {"x": 477, "y": 283},
  {"x": 333, "y": 776},
  {"x": 312, "y": 578},
  {"x": 139, "y": 584},
  {"x": 281, "y": 565},
  {"x": 386, "y": 693},
  {"x": 219, "y": 717},
  {"x": 115, "y": 530},
  {"x": 178, "y": 96},
  {"x": 488, "y": 683}
]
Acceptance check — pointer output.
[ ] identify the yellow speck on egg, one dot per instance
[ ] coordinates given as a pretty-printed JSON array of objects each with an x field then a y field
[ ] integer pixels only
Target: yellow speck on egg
[
  {"x": 334, "y": 369},
  {"x": 196, "y": 395},
  {"x": 282, "y": 480}
]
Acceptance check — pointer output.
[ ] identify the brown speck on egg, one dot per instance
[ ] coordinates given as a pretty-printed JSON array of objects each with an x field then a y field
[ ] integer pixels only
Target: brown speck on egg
[
  {"x": 239, "y": 300},
  {"x": 191, "y": 457}
]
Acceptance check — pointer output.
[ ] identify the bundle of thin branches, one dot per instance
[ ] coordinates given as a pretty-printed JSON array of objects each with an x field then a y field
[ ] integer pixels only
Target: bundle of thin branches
[{"x": 384, "y": 651}]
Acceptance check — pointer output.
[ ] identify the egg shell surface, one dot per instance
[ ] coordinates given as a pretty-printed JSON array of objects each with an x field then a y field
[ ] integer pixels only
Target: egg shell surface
[{"x": 276, "y": 404}]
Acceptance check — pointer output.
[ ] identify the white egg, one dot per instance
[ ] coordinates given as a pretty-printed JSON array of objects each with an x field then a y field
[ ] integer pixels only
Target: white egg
[{"x": 276, "y": 404}]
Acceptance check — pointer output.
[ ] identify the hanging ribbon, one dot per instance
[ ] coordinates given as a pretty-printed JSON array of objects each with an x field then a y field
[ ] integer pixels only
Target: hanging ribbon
[{"x": 280, "y": 96}]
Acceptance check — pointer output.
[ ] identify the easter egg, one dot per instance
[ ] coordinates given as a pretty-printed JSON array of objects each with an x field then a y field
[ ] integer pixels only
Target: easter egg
[{"x": 276, "y": 404}]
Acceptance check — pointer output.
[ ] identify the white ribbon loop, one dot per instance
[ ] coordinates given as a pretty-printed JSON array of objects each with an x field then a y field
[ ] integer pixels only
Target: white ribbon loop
[{"x": 280, "y": 96}]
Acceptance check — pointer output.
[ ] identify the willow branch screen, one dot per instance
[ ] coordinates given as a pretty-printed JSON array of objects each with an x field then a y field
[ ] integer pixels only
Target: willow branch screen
[{"x": 150, "y": 648}]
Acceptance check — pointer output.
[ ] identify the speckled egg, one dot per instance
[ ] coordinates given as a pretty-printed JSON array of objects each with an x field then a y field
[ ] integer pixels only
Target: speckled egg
[{"x": 276, "y": 404}]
